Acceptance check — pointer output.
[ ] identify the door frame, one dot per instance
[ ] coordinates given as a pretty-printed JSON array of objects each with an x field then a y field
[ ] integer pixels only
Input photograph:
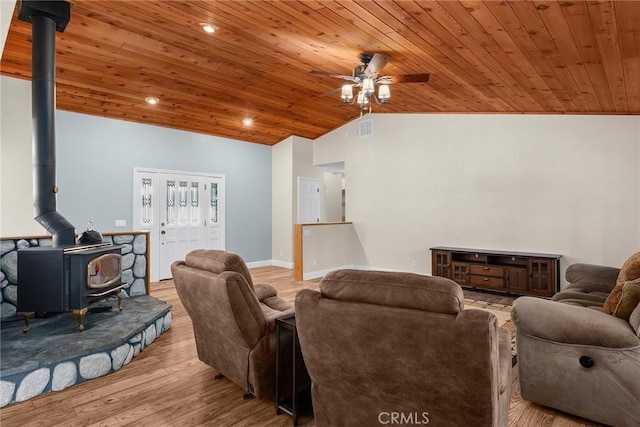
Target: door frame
[{"x": 154, "y": 228}]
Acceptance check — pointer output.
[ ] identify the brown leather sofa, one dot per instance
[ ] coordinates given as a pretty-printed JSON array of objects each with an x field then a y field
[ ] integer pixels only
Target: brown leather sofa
[
  {"x": 574, "y": 357},
  {"x": 233, "y": 320},
  {"x": 386, "y": 347}
]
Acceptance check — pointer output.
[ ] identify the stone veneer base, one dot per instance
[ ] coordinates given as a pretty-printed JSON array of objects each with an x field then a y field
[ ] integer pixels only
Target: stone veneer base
[{"x": 53, "y": 355}]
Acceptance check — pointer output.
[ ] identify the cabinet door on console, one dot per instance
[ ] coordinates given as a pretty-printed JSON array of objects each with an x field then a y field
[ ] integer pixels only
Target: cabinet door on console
[
  {"x": 441, "y": 264},
  {"x": 460, "y": 272},
  {"x": 516, "y": 279},
  {"x": 541, "y": 276}
]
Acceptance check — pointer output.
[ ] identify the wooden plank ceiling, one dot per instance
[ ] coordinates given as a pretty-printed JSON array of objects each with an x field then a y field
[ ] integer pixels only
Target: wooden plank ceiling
[{"x": 483, "y": 56}]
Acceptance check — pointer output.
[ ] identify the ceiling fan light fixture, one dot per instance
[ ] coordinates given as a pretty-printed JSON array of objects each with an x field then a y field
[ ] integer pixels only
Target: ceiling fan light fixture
[
  {"x": 367, "y": 77},
  {"x": 384, "y": 93},
  {"x": 368, "y": 86},
  {"x": 347, "y": 93}
]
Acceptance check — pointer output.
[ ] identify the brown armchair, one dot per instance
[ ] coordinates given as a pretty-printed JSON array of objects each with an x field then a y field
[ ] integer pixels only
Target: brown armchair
[
  {"x": 233, "y": 320},
  {"x": 574, "y": 357},
  {"x": 385, "y": 346}
]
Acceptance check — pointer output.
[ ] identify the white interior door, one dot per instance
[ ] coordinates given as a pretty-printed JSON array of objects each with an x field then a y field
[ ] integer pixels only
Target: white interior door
[
  {"x": 308, "y": 200},
  {"x": 183, "y": 211},
  {"x": 181, "y": 218}
]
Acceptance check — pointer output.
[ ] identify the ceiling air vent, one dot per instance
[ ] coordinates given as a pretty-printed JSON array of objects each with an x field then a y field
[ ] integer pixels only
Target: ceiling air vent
[{"x": 366, "y": 128}]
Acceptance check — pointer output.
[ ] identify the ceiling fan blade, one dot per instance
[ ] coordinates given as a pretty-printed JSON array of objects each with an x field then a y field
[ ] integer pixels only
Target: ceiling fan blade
[
  {"x": 377, "y": 63},
  {"x": 337, "y": 91},
  {"x": 337, "y": 76},
  {"x": 405, "y": 78},
  {"x": 333, "y": 92}
]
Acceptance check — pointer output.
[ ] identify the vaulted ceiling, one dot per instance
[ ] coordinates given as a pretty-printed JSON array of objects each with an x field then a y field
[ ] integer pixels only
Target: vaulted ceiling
[{"x": 482, "y": 56}]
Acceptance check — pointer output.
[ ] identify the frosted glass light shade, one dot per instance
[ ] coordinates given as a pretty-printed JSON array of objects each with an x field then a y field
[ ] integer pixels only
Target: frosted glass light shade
[
  {"x": 347, "y": 93},
  {"x": 384, "y": 93},
  {"x": 367, "y": 86}
]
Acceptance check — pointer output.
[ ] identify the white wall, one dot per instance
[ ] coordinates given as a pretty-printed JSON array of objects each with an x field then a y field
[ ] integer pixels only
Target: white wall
[
  {"x": 16, "y": 186},
  {"x": 6, "y": 13},
  {"x": 334, "y": 145},
  {"x": 282, "y": 202},
  {"x": 328, "y": 247},
  {"x": 332, "y": 188},
  {"x": 554, "y": 184}
]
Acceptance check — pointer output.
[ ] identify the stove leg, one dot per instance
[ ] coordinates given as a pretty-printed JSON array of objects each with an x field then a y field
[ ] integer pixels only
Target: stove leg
[
  {"x": 26, "y": 317},
  {"x": 80, "y": 317},
  {"x": 119, "y": 296}
]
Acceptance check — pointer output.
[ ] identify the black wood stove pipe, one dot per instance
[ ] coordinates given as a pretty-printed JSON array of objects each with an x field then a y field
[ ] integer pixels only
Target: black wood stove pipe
[{"x": 46, "y": 17}]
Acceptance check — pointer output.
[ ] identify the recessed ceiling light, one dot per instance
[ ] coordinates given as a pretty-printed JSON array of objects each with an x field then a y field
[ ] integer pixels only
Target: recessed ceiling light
[
  {"x": 208, "y": 28},
  {"x": 247, "y": 121},
  {"x": 152, "y": 100}
]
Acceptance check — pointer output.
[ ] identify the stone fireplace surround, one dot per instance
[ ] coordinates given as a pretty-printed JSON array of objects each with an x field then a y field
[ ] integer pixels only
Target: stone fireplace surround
[{"x": 53, "y": 355}]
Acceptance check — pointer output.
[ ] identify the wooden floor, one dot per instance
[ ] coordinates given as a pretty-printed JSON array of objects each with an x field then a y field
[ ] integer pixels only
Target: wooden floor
[{"x": 166, "y": 385}]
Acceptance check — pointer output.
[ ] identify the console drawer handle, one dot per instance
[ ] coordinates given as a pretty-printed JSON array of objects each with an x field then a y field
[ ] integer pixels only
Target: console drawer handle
[
  {"x": 485, "y": 279},
  {"x": 485, "y": 268}
]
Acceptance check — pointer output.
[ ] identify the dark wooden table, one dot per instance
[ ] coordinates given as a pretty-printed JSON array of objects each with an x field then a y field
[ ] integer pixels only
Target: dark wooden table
[{"x": 296, "y": 399}]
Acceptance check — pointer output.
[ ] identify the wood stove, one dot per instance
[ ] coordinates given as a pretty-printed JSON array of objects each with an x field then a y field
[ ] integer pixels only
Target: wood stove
[
  {"x": 55, "y": 279},
  {"x": 64, "y": 276}
]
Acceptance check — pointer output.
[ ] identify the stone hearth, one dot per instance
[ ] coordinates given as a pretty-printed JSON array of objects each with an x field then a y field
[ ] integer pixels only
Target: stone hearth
[{"x": 53, "y": 355}]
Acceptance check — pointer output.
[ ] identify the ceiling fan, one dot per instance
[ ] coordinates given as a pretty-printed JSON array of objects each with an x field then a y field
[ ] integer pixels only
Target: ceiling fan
[{"x": 367, "y": 76}]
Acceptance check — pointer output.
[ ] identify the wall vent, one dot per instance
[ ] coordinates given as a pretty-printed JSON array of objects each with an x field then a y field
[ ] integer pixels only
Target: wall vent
[{"x": 366, "y": 128}]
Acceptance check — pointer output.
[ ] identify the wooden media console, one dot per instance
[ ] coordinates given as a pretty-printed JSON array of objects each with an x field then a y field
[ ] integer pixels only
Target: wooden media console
[{"x": 521, "y": 273}]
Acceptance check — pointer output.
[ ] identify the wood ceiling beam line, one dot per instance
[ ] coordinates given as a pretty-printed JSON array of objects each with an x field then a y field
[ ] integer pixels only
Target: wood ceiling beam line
[
  {"x": 485, "y": 33},
  {"x": 535, "y": 63},
  {"x": 476, "y": 62},
  {"x": 579, "y": 23},
  {"x": 439, "y": 71},
  {"x": 544, "y": 41},
  {"x": 555, "y": 21},
  {"x": 629, "y": 34},
  {"x": 306, "y": 126},
  {"x": 155, "y": 51},
  {"x": 606, "y": 34},
  {"x": 288, "y": 38},
  {"x": 194, "y": 79},
  {"x": 137, "y": 94}
]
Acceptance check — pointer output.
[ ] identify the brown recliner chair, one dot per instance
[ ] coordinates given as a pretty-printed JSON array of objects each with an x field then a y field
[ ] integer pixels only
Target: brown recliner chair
[
  {"x": 574, "y": 357},
  {"x": 398, "y": 348},
  {"x": 233, "y": 320}
]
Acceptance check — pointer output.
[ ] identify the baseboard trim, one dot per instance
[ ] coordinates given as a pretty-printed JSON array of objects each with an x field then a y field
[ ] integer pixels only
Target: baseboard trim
[
  {"x": 263, "y": 263},
  {"x": 283, "y": 264}
]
